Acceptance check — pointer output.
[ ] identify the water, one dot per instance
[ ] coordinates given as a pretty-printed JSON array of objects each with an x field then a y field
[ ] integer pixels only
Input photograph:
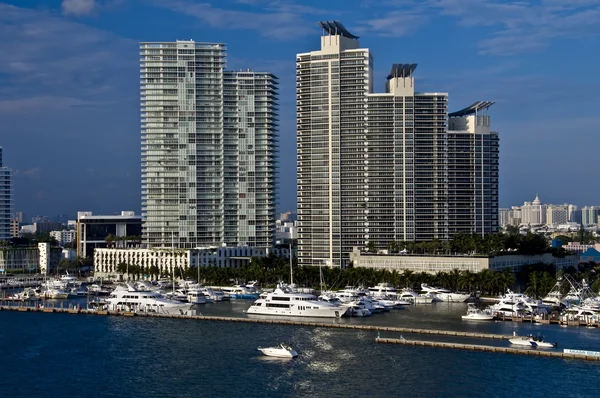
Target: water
[{"x": 57, "y": 355}]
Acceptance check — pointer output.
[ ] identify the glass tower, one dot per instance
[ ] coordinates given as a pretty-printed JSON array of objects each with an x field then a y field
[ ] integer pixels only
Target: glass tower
[{"x": 209, "y": 147}]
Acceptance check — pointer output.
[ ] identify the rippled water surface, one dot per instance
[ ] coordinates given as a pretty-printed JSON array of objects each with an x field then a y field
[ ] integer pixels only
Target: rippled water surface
[{"x": 61, "y": 355}]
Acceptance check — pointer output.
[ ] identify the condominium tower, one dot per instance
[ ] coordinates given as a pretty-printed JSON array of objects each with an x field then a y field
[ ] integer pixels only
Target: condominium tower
[
  {"x": 373, "y": 168},
  {"x": 209, "y": 148},
  {"x": 5, "y": 201}
]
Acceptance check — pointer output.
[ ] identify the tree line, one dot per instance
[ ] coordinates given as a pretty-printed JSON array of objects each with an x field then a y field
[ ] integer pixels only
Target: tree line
[
  {"x": 536, "y": 280},
  {"x": 492, "y": 244}
]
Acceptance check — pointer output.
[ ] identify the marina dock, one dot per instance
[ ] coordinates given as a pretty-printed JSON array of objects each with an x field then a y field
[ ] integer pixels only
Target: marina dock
[
  {"x": 489, "y": 348},
  {"x": 26, "y": 307}
]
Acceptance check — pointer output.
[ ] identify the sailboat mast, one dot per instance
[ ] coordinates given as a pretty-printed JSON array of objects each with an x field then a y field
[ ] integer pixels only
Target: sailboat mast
[
  {"x": 173, "y": 259},
  {"x": 291, "y": 268}
]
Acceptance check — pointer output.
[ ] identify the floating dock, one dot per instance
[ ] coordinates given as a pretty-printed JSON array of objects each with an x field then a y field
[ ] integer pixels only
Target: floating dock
[{"x": 489, "y": 348}]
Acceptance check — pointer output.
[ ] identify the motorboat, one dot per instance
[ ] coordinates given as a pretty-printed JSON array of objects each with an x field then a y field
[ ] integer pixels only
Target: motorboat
[
  {"x": 98, "y": 290},
  {"x": 285, "y": 301},
  {"x": 476, "y": 314},
  {"x": 281, "y": 351},
  {"x": 445, "y": 294},
  {"x": 531, "y": 341},
  {"x": 25, "y": 295},
  {"x": 238, "y": 292},
  {"x": 129, "y": 298},
  {"x": 355, "y": 310},
  {"x": 383, "y": 290},
  {"x": 554, "y": 296},
  {"x": 414, "y": 298},
  {"x": 51, "y": 293}
]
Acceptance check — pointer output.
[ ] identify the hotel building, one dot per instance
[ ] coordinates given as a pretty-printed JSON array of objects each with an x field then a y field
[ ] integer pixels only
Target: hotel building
[{"x": 374, "y": 168}]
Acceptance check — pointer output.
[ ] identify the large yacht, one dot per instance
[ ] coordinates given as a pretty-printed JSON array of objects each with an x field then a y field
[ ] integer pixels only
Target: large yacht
[
  {"x": 284, "y": 301},
  {"x": 383, "y": 290},
  {"x": 132, "y": 299},
  {"x": 445, "y": 294}
]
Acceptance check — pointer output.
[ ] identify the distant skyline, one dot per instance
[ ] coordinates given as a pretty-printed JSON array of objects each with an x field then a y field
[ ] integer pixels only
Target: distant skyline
[{"x": 69, "y": 84}]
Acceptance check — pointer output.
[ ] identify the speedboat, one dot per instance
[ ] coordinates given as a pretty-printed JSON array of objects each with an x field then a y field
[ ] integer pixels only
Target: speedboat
[
  {"x": 531, "y": 341},
  {"x": 281, "y": 351},
  {"x": 475, "y": 314}
]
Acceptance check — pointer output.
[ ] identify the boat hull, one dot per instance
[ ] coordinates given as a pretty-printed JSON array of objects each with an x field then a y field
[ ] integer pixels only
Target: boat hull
[
  {"x": 478, "y": 317},
  {"x": 337, "y": 313}
]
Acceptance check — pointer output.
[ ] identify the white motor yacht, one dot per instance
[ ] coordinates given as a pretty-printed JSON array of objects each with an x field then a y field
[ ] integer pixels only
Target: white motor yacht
[
  {"x": 284, "y": 301},
  {"x": 531, "y": 341},
  {"x": 131, "y": 299},
  {"x": 51, "y": 293},
  {"x": 445, "y": 294},
  {"x": 281, "y": 351},
  {"x": 476, "y": 314},
  {"x": 383, "y": 290},
  {"x": 414, "y": 298},
  {"x": 554, "y": 296}
]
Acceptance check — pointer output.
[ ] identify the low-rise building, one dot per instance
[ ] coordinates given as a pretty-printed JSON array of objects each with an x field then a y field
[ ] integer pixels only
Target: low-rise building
[
  {"x": 106, "y": 261},
  {"x": 63, "y": 237},
  {"x": 434, "y": 264},
  {"x": 18, "y": 259},
  {"x": 92, "y": 230}
]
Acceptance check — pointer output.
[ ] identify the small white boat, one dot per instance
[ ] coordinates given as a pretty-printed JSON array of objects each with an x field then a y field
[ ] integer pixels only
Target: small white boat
[
  {"x": 281, "y": 351},
  {"x": 531, "y": 341},
  {"x": 475, "y": 314}
]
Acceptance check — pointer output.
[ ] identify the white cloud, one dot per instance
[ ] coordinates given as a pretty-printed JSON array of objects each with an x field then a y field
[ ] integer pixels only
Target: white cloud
[
  {"x": 78, "y": 7},
  {"x": 279, "y": 20},
  {"x": 516, "y": 27},
  {"x": 47, "y": 56}
]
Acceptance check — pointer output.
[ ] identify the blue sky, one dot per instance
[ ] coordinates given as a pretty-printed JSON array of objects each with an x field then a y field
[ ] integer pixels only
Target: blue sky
[{"x": 69, "y": 83}]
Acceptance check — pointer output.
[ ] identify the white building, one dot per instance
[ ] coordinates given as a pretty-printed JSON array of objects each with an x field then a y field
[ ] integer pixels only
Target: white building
[
  {"x": 64, "y": 237},
  {"x": 209, "y": 148},
  {"x": 589, "y": 215},
  {"x": 285, "y": 231},
  {"x": 533, "y": 213},
  {"x": 557, "y": 214},
  {"x": 384, "y": 167},
  {"x": 106, "y": 261},
  {"x": 434, "y": 264},
  {"x": 6, "y": 201}
]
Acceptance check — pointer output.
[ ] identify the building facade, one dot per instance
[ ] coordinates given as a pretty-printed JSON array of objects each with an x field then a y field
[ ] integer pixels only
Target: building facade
[
  {"x": 473, "y": 168},
  {"x": 373, "y": 168},
  {"x": 6, "y": 199},
  {"x": 92, "y": 231},
  {"x": 106, "y": 261},
  {"x": 434, "y": 264},
  {"x": 209, "y": 148},
  {"x": 43, "y": 258},
  {"x": 63, "y": 237}
]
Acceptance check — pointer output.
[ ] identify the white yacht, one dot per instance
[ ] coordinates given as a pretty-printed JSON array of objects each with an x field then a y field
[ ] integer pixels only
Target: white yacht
[
  {"x": 285, "y": 302},
  {"x": 414, "y": 298},
  {"x": 476, "y": 314},
  {"x": 282, "y": 351},
  {"x": 131, "y": 299},
  {"x": 239, "y": 292},
  {"x": 383, "y": 290},
  {"x": 445, "y": 294},
  {"x": 554, "y": 296}
]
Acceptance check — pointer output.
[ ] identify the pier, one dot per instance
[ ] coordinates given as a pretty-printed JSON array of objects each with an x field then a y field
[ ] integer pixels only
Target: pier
[
  {"x": 489, "y": 348},
  {"x": 26, "y": 307}
]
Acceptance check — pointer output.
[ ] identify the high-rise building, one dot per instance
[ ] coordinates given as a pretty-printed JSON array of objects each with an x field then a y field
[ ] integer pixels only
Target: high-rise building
[
  {"x": 373, "y": 168},
  {"x": 473, "y": 150},
  {"x": 5, "y": 201},
  {"x": 209, "y": 148}
]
